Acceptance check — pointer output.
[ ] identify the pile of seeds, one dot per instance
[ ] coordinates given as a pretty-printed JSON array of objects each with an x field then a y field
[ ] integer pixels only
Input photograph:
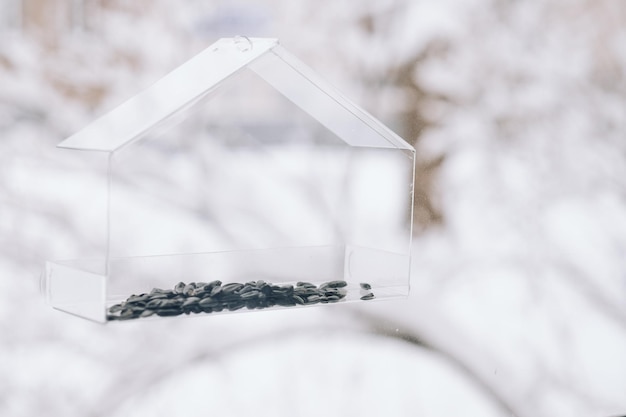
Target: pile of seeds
[{"x": 202, "y": 297}]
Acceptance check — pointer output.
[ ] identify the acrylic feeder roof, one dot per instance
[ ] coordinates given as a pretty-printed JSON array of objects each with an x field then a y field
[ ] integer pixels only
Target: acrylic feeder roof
[{"x": 204, "y": 73}]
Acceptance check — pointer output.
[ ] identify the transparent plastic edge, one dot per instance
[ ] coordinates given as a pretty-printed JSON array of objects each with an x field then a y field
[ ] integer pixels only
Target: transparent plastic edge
[
  {"x": 411, "y": 221},
  {"x": 165, "y": 97},
  {"x": 305, "y": 71},
  {"x": 76, "y": 291}
]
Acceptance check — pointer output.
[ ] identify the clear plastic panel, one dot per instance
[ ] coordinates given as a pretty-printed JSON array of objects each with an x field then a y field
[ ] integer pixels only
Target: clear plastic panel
[
  {"x": 296, "y": 81},
  {"x": 171, "y": 94},
  {"x": 265, "y": 174}
]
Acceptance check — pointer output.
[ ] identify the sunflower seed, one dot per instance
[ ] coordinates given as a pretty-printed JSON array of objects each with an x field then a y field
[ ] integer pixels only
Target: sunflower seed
[
  {"x": 189, "y": 288},
  {"x": 115, "y": 308},
  {"x": 171, "y": 303},
  {"x": 265, "y": 289},
  {"x": 285, "y": 302},
  {"x": 179, "y": 288},
  {"x": 165, "y": 312},
  {"x": 365, "y": 286},
  {"x": 247, "y": 288},
  {"x": 304, "y": 291},
  {"x": 236, "y": 305},
  {"x": 207, "y": 302},
  {"x": 191, "y": 301},
  {"x": 214, "y": 284},
  {"x": 231, "y": 288},
  {"x": 127, "y": 313},
  {"x": 334, "y": 284},
  {"x": 250, "y": 294},
  {"x": 215, "y": 291},
  {"x": 159, "y": 296},
  {"x": 134, "y": 299},
  {"x": 368, "y": 296},
  {"x": 154, "y": 303},
  {"x": 313, "y": 299}
]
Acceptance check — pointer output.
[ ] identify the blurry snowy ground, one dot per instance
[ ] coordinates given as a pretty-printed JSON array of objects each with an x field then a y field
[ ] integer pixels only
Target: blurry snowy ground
[{"x": 518, "y": 301}]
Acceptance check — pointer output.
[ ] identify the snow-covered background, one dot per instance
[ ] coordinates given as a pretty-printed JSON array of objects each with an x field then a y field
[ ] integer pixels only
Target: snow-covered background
[{"x": 518, "y": 306}]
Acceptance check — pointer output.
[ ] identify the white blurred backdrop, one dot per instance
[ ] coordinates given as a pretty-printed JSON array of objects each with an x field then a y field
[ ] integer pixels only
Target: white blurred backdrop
[{"x": 517, "y": 110}]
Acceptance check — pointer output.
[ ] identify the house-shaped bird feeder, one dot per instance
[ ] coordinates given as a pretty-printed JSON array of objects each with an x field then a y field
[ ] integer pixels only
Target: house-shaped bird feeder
[{"x": 239, "y": 181}]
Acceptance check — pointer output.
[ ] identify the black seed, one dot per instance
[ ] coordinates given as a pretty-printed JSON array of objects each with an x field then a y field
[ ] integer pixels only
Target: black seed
[
  {"x": 265, "y": 289},
  {"x": 201, "y": 291},
  {"x": 229, "y": 298},
  {"x": 159, "y": 296},
  {"x": 231, "y": 288},
  {"x": 303, "y": 291},
  {"x": 165, "y": 312},
  {"x": 136, "y": 299},
  {"x": 208, "y": 302},
  {"x": 127, "y": 314},
  {"x": 368, "y": 296},
  {"x": 250, "y": 295},
  {"x": 161, "y": 293},
  {"x": 365, "y": 286},
  {"x": 189, "y": 288},
  {"x": 214, "y": 284},
  {"x": 154, "y": 303},
  {"x": 172, "y": 303},
  {"x": 146, "y": 313},
  {"x": 247, "y": 288},
  {"x": 191, "y": 301},
  {"x": 285, "y": 302},
  {"x": 179, "y": 288},
  {"x": 282, "y": 291},
  {"x": 313, "y": 299},
  {"x": 236, "y": 305},
  {"x": 115, "y": 308},
  {"x": 334, "y": 284}
]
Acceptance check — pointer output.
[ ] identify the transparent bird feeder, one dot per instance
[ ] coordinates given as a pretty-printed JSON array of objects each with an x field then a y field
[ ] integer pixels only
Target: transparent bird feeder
[{"x": 240, "y": 170}]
